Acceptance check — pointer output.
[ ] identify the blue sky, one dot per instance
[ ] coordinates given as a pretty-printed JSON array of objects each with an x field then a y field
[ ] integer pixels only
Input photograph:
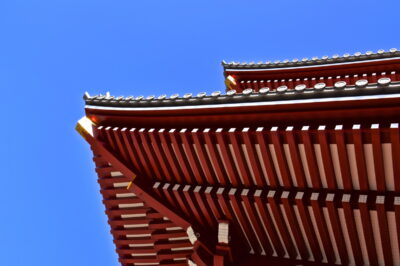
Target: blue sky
[{"x": 53, "y": 51}]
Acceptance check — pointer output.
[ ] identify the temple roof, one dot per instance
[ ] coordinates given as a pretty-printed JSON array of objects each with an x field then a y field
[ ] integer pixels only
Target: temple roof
[
  {"x": 319, "y": 90},
  {"x": 287, "y": 167},
  {"x": 314, "y": 61}
]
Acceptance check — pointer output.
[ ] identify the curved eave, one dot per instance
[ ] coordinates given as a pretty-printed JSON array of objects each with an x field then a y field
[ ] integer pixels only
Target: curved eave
[
  {"x": 363, "y": 59},
  {"x": 381, "y": 65},
  {"x": 246, "y": 113}
]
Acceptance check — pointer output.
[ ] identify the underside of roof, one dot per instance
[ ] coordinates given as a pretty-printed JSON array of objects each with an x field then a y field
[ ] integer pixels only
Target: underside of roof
[{"x": 296, "y": 173}]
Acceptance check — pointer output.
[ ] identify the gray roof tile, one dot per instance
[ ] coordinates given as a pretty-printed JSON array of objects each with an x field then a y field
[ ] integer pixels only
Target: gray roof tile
[{"x": 356, "y": 57}]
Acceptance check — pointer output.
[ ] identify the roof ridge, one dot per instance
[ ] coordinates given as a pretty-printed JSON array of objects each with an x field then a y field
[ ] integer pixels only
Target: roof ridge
[
  {"x": 341, "y": 87},
  {"x": 358, "y": 56}
]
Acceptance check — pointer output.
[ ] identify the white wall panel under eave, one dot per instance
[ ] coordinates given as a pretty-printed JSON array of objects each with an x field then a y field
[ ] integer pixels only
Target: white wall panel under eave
[
  {"x": 336, "y": 165},
  {"x": 135, "y": 215},
  {"x": 346, "y": 236},
  {"x": 275, "y": 254},
  {"x": 212, "y": 163},
  {"x": 130, "y": 205},
  {"x": 247, "y": 159},
  {"x": 125, "y": 195},
  {"x": 320, "y": 164},
  {"x": 121, "y": 184},
  {"x": 315, "y": 226},
  {"x": 288, "y": 158},
  {"x": 393, "y": 237},
  {"x": 331, "y": 235},
  {"x": 360, "y": 232},
  {"x": 303, "y": 232},
  {"x": 353, "y": 166},
  {"x": 116, "y": 173},
  {"x": 275, "y": 161},
  {"x": 303, "y": 158},
  {"x": 254, "y": 230},
  {"x": 277, "y": 231},
  {"x": 252, "y": 251},
  {"x": 388, "y": 165},
  {"x": 285, "y": 218},
  {"x": 218, "y": 151},
  {"x": 235, "y": 163},
  {"x": 369, "y": 161},
  {"x": 377, "y": 236},
  {"x": 262, "y": 163}
]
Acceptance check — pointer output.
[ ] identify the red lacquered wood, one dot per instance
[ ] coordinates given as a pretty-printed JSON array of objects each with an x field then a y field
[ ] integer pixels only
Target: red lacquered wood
[
  {"x": 266, "y": 158},
  {"x": 204, "y": 159},
  {"x": 327, "y": 158},
  {"x": 295, "y": 156},
  {"x": 281, "y": 158}
]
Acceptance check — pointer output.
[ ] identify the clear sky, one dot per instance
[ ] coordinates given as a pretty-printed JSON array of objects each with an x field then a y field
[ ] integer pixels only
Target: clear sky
[{"x": 53, "y": 51}]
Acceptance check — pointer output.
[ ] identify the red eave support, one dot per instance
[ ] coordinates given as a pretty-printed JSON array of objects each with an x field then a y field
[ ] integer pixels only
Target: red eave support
[{"x": 139, "y": 191}]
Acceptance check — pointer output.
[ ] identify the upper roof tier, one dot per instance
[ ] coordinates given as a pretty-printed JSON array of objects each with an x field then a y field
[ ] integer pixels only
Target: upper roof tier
[
  {"x": 314, "y": 61},
  {"x": 370, "y": 66}
]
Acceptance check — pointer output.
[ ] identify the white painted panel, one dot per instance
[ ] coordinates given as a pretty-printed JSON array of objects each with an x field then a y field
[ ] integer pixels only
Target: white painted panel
[
  {"x": 141, "y": 245},
  {"x": 218, "y": 150},
  {"x": 336, "y": 165},
  {"x": 178, "y": 238},
  {"x": 182, "y": 248},
  {"x": 369, "y": 161},
  {"x": 116, "y": 173},
  {"x": 346, "y": 236},
  {"x": 135, "y": 225},
  {"x": 388, "y": 165},
  {"x": 393, "y": 237},
  {"x": 377, "y": 236},
  {"x": 331, "y": 235},
  {"x": 244, "y": 232},
  {"x": 285, "y": 218},
  {"x": 315, "y": 226},
  {"x": 260, "y": 156},
  {"x": 235, "y": 163},
  {"x": 266, "y": 232},
  {"x": 320, "y": 164},
  {"x": 136, "y": 215},
  {"x": 360, "y": 232},
  {"x": 286, "y": 153},
  {"x": 130, "y": 205},
  {"x": 247, "y": 159},
  {"x": 121, "y": 184},
  {"x": 353, "y": 166},
  {"x": 303, "y": 232},
  {"x": 275, "y": 161},
  {"x": 212, "y": 162},
  {"x": 173, "y": 228},
  {"x": 125, "y": 195},
  {"x": 143, "y": 254},
  {"x": 138, "y": 235},
  {"x": 277, "y": 231},
  {"x": 303, "y": 158},
  {"x": 254, "y": 230}
]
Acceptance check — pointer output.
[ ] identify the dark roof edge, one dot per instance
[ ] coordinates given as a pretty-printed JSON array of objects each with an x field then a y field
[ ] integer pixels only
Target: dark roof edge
[
  {"x": 386, "y": 87},
  {"x": 356, "y": 57}
]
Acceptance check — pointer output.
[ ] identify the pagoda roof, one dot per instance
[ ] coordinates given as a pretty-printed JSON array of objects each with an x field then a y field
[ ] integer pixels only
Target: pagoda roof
[
  {"x": 288, "y": 166},
  {"x": 314, "y": 61},
  {"x": 283, "y": 95}
]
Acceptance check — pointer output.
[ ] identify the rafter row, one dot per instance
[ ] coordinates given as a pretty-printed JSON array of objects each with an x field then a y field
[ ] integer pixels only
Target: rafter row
[
  {"x": 336, "y": 157},
  {"x": 322, "y": 227}
]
